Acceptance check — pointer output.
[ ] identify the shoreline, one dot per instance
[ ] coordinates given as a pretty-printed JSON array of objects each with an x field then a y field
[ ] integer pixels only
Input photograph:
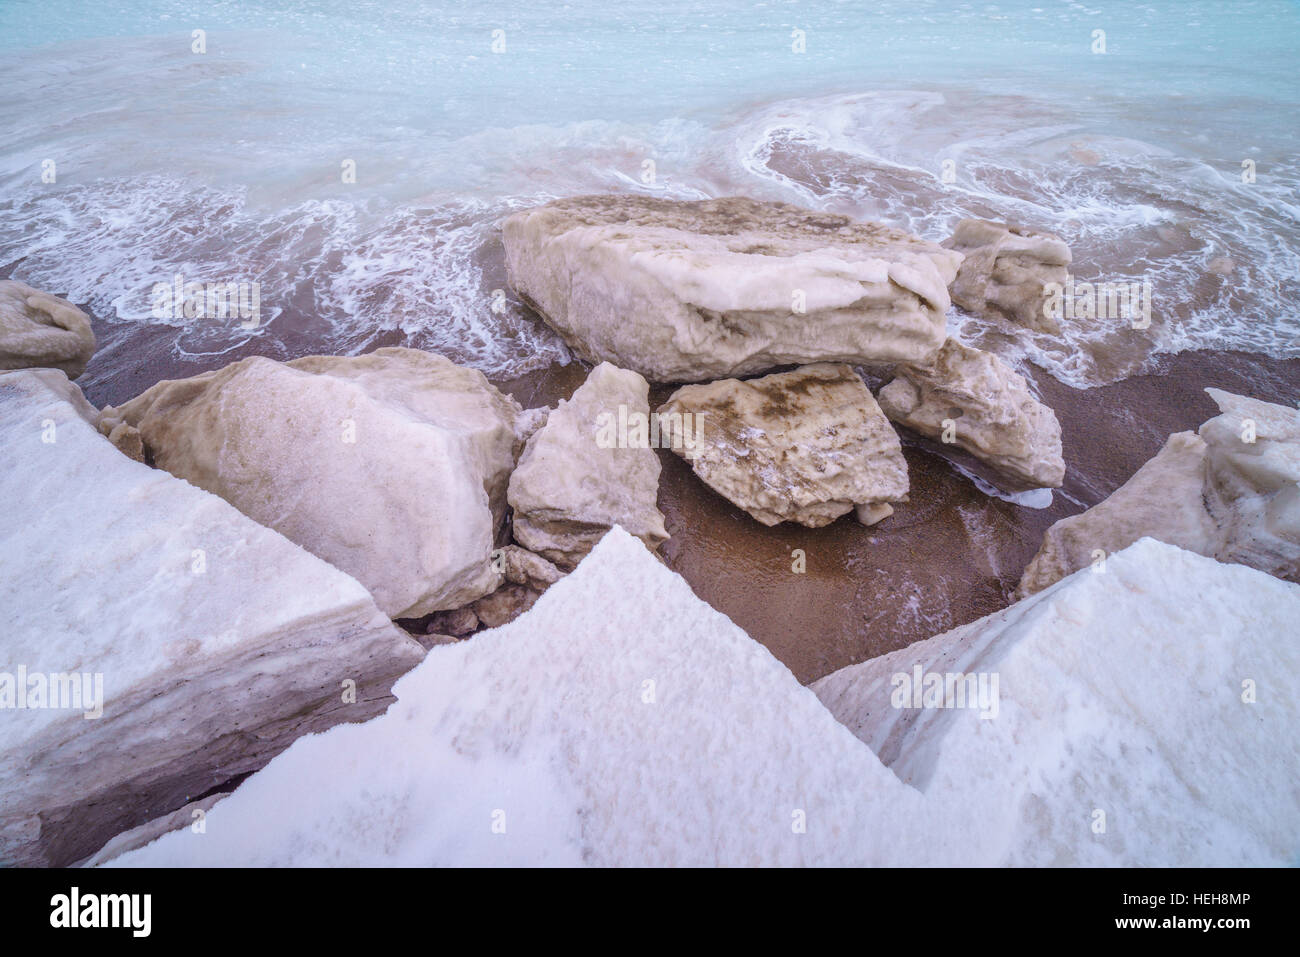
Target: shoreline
[{"x": 948, "y": 557}]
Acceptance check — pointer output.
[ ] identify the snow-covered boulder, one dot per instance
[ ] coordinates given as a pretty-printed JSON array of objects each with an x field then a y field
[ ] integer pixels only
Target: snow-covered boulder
[
  {"x": 804, "y": 446},
  {"x": 1006, "y": 272},
  {"x": 591, "y": 466},
  {"x": 620, "y": 721},
  {"x": 391, "y": 466},
  {"x": 1232, "y": 491},
  {"x": 41, "y": 330},
  {"x": 205, "y": 642},
  {"x": 690, "y": 291},
  {"x": 1144, "y": 714},
  {"x": 974, "y": 400}
]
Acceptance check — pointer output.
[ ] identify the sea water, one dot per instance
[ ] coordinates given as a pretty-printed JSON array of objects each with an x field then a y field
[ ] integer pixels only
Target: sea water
[{"x": 355, "y": 159}]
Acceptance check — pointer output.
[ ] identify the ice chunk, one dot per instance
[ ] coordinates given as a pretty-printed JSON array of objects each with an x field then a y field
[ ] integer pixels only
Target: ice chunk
[{"x": 213, "y": 641}]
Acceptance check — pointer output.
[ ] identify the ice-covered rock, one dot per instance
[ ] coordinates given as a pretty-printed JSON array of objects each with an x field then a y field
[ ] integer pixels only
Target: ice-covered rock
[
  {"x": 208, "y": 641},
  {"x": 38, "y": 330},
  {"x": 504, "y": 605},
  {"x": 1006, "y": 270},
  {"x": 621, "y": 721},
  {"x": 458, "y": 622},
  {"x": 1252, "y": 482},
  {"x": 873, "y": 513},
  {"x": 1141, "y": 715},
  {"x": 690, "y": 291},
  {"x": 1231, "y": 492},
  {"x": 527, "y": 575},
  {"x": 522, "y": 567},
  {"x": 591, "y": 466},
  {"x": 126, "y": 439},
  {"x": 804, "y": 446},
  {"x": 391, "y": 466},
  {"x": 974, "y": 400},
  {"x": 1162, "y": 500}
]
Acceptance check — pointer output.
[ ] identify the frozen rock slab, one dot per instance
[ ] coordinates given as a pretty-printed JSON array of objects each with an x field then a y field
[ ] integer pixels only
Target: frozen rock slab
[
  {"x": 457, "y": 623},
  {"x": 527, "y": 575},
  {"x": 504, "y": 605},
  {"x": 1229, "y": 492},
  {"x": 1252, "y": 482},
  {"x": 621, "y": 721},
  {"x": 804, "y": 446},
  {"x": 690, "y": 291},
  {"x": 590, "y": 467},
  {"x": 974, "y": 400},
  {"x": 1006, "y": 270},
  {"x": 38, "y": 330},
  {"x": 1141, "y": 715},
  {"x": 213, "y": 642},
  {"x": 522, "y": 567},
  {"x": 391, "y": 466}
]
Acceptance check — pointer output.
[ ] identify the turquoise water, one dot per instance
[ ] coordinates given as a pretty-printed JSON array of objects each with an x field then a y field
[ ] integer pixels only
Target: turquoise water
[{"x": 226, "y": 164}]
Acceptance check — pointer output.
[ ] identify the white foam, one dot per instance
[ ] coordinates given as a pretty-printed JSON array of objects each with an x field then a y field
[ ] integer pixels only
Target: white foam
[
  {"x": 1132, "y": 211},
  {"x": 411, "y": 249}
]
